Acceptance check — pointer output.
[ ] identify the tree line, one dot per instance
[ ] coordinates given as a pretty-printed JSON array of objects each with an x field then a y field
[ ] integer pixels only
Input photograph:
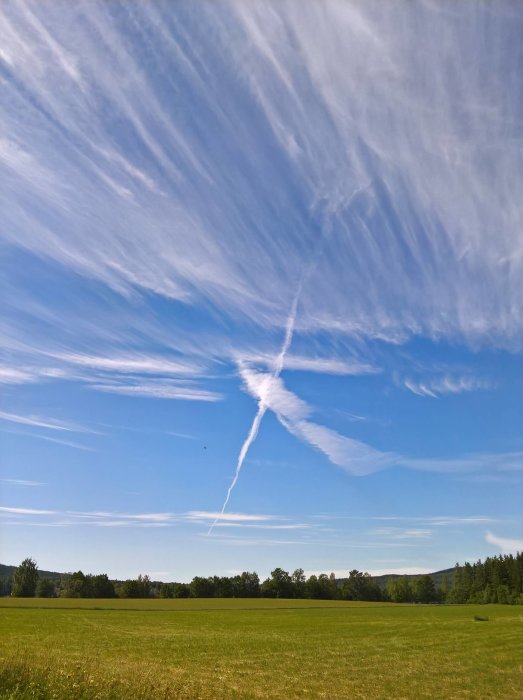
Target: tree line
[{"x": 496, "y": 580}]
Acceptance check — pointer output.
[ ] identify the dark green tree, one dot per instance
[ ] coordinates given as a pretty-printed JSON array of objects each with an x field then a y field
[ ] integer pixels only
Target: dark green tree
[
  {"x": 360, "y": 586},
  {"x": 444, "y": 589},
  {"x": 25, "y": 578},
  {"x": 202, "y": 587},
  {"x": 281, "y": 584},
  {"x": 424, "y": 590},
  {"x": 247, "y": 585},
  {"x": 102, "y": 587},
  {"x": 312, "y": 587},
  {"x": 167, "y": 590},
  {"x": 5, "y": 585},
  {"x": 181, "y": 590},
  {"x": 223, "y": 587},
  {"x": 400, "y": 590},
  {"x": 136, "y": 588},
  {"x": 458, "y": 592},
  {"x": 45, "y": 588},
  {"x": 77, "y": 585},
  {"x": 299, "y": 583}
]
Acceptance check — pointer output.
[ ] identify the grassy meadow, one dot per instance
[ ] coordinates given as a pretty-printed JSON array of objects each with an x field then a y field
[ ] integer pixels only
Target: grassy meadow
[{"x": 250, "y": 648}]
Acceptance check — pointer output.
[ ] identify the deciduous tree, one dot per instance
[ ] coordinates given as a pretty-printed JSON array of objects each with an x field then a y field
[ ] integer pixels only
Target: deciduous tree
[{"x": 25, "y": 579}]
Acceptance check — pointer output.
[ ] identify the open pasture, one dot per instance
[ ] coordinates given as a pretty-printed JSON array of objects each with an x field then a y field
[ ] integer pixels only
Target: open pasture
[{"x": 249, "y": 648}]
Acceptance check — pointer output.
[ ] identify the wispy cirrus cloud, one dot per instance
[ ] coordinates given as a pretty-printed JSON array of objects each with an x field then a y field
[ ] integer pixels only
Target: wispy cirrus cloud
[
  {"x": 488, "y": 461},
  {"x": 374, "y": 147},
  {"x": 58, "y": 441},
  {"x": 156, "y": 241},
  {"x": 138, "y": 374},
  {"x": 26, "y": 511},
  {"x": 448, "y": 384},
  {"x": 102, "y": 518},
  {"x": 230, "y": 540},
  {"x": 30, "y": 374},
  {"x": 506, "y": 545},
  {"x": 258, "y": 526},
  {"x": 355, "y": 456},
  {"x": 13, "y": 375},
  {"x": 202, "y": 515},
  {"x": 396, "y": 533},
  {"x": 22, "y": 482},
  {"x": 158, "y": 390},
  {"x": 432, "y": 520},
  {"x": 322, "y": 365},
  {"x": 68, "y": 518},
  {"x": 132, "y": 364},
  {"x": 45, "y": 423},
  {"x": 184, "y": 436}
]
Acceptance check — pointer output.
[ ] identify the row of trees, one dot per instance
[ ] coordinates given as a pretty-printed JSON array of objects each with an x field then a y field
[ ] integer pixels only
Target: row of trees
[
  {"x": 280, "y": 584},
  {"x": 496, "y": 580}
]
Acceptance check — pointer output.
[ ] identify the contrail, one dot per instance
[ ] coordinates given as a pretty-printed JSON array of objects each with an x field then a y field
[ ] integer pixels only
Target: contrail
[
  {"x": 262, "y": 406},
  {"x": 278, "y": 364}
]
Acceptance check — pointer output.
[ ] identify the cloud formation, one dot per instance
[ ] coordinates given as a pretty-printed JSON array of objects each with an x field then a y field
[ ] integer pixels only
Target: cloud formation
[
  {"x": 46, "y": 423},
  {"x": 22, "y": 482},
  {"x": 354, "y": 456},
  {"x": 506, "y": 545},
  {"x": 158, "y": 390},
  {"x": 182, "y": 207},
  {"x": 448, "y": 384},
  {"x": 96, "y": 518},
  {"x": 335, "y": 116}
]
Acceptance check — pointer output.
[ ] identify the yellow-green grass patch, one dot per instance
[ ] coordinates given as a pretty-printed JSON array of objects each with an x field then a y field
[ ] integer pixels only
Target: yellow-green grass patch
[{"x": 250, "y": 648}]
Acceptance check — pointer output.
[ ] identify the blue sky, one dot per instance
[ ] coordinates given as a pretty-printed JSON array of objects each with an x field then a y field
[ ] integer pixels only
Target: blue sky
[{"x": 261, "y": 285}]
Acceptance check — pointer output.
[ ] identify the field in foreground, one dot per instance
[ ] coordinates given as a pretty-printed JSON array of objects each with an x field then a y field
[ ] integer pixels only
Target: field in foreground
[{"x": 210, "y": 649}]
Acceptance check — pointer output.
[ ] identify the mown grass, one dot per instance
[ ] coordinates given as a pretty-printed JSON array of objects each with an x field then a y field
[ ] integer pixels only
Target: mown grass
[{"x": 212, "y": 649}]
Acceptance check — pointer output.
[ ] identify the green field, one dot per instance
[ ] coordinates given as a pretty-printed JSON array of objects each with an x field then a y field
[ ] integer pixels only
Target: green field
[{"x": 209, "y": 648}]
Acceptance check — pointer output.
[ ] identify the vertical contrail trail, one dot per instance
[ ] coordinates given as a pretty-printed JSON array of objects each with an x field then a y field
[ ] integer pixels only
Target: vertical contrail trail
[
  {"x": 262, "y": 406},
  {"x": 278, "y": 364}
]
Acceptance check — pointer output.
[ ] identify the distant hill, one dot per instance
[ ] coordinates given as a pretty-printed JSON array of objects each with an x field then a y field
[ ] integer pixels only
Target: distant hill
[
  {"x": 436, "y": 576},
  {"x": 7, "y": 571}
]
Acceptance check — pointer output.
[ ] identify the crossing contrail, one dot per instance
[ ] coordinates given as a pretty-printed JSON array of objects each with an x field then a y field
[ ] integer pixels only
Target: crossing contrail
[
  {"x": 280, "y": 359},
  {"x": 262, "y": 405}
]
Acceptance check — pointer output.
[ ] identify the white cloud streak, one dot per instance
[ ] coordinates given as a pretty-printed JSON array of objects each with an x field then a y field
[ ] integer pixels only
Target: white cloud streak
[
  {"x": 228, "y": 517},
  {"x": 12, "y": 375},
  {"x": 100, "y": 518},
  {"x": 446, "y": 385},
  {"x": 262, "y": 402},
  {"x": 45, "y": 423},
  {"x": 22, "y": 482},
  {"x": 356, "y": 457},
  {"x": 500, "y": 462},
  {"x": 26, "y": 511},
  {"x": 339, "y": 118},
  {"x": 132, "y": 364},
  {"x": 396, "y": 533},
  {"x": 432, "y": 520},
  {"x": 159, "y": 390},
  {"x": 506, "y": 545},
  {"x": 322, "y": 365},
  {"x": 410, "y": 166}
]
